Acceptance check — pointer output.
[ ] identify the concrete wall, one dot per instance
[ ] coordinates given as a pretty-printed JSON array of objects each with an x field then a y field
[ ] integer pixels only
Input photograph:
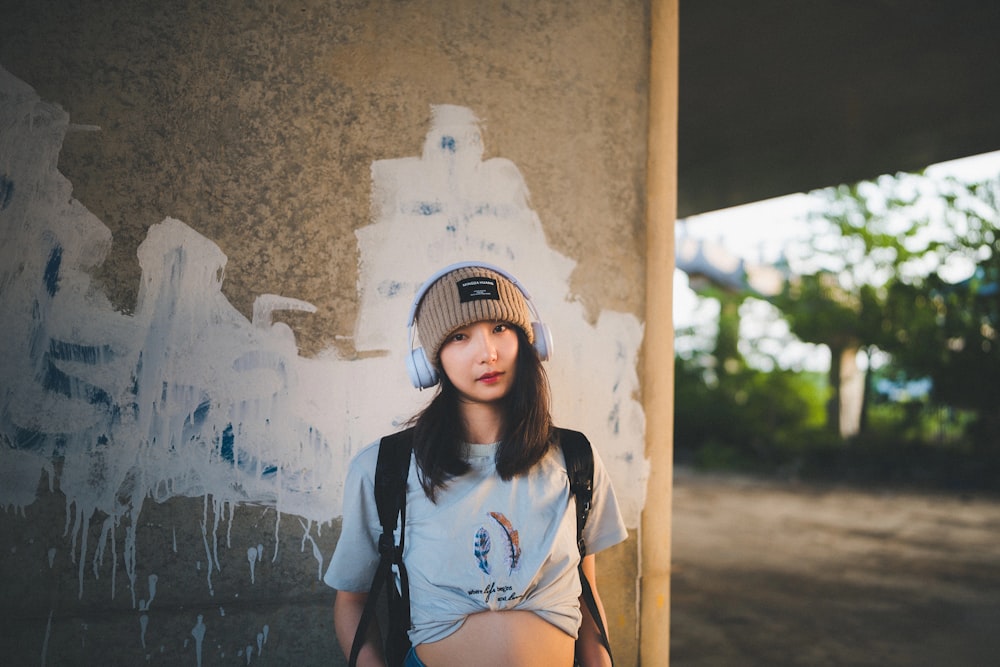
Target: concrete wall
[{"x": 213, "y": 217}]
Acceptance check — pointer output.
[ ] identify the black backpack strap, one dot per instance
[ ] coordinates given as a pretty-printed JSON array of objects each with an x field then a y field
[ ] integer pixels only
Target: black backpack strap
[
  {"x": 579, "y": 456},
  {"x": 391, "y": 471},
  {"x": 580, "y": 469}
]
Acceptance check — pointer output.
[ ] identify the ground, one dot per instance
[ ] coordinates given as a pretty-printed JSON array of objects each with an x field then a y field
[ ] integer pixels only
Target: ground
[{"x": 768, "y": 573}]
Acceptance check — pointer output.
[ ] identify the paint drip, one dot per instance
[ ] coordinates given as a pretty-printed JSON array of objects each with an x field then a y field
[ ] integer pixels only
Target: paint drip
[{"x": 198, "y": 632}]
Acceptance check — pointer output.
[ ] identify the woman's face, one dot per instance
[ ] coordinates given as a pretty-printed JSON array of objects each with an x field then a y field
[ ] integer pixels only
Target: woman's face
[{"x": 481, "y": 359}]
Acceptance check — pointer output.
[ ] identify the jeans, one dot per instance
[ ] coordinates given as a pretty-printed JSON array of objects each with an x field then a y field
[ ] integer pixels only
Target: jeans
[{"x": 412, "y": 660}]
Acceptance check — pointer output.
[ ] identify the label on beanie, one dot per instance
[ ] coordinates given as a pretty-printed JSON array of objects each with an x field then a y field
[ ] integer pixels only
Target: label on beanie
[{"x": 477, "y": 289}]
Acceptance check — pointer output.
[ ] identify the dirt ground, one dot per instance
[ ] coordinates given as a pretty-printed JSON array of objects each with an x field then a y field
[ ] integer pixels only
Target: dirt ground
[{"x": 790, "y": 574}]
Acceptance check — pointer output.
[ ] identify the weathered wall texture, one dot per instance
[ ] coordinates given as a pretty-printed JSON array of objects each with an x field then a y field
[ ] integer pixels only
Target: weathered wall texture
[{"x": 213, "y": 219}]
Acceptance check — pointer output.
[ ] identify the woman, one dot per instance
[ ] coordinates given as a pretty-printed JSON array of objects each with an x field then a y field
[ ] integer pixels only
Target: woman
[{"x": 490, "y": 544}]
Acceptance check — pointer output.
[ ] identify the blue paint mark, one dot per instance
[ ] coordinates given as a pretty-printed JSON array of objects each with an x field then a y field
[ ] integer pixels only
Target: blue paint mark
[
  {"x": 26, "y": 439},
  {"x": 97, "y": 396},
  {"x": 226, "y": 446},
  {"x": 194, "y": 423},
  {"x": 449, "y": 144},
  {"x": 136, "y": 375},
  {"x": 52, "y": 271},
  {"x": 427, "y": 208},
  {"x": 614, "y": 419},
  {"x": 389, "y": 288},
  {"x": 197, "y": 418},
  {"x": 87, "y": 354},
  {"x": 6, "y": 191},
  {"x": 58, "y": 382},
  {"x": 258, "y": 359}
]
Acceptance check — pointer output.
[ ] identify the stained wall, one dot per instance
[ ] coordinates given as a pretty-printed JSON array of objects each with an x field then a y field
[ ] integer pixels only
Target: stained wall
[{"x": 214, "y": 217}]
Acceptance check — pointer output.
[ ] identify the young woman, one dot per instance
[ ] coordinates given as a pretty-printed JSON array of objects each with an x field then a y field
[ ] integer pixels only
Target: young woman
[{"x": 490, "y": 544}]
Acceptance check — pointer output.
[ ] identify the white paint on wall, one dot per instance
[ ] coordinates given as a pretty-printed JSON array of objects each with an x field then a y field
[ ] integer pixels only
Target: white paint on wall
[
  {"x": 198, "y": 632},
  {"x": 450, "y": 205},
  {"x": 254, "y": 555},
  {"x": 186, "y": 397}
]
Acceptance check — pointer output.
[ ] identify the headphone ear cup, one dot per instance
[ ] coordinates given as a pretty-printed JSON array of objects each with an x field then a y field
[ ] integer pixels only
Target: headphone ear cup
[
  {"x": 543, "y": 340},
  {"x": 423, "y": 375}
]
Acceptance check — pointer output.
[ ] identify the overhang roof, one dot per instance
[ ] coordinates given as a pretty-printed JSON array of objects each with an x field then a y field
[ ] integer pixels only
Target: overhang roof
[{"x": 787, "y": 96}]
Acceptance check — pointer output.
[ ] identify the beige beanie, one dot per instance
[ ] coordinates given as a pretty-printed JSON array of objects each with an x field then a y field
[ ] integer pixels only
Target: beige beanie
[{"x": 464, "y": 296}]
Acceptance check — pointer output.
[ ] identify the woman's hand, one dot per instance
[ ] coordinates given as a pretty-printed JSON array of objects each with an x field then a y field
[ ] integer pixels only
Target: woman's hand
[
  {"x": 590, "y": 648},
  {"x": 347, "y": 609}
]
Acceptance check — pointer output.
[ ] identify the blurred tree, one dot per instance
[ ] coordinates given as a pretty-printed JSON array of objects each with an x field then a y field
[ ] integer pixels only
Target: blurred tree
[
  {"x": 947, "y": 330},
  {"x": 820, "y": 310},
  {"x": 886, "y": 279}
]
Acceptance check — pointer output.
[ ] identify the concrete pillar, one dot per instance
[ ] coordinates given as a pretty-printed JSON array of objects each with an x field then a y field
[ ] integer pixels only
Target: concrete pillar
[
  {"x": 658, "y": 376},
  {"x": 221, "y": 158}
]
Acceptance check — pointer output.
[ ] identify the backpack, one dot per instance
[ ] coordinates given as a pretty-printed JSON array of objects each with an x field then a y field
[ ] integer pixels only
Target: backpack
[{"x": 391, "y": 472}]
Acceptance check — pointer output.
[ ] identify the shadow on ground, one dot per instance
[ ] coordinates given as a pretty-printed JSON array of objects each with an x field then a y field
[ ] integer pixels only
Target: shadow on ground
[{"x": 788, "y": 574}]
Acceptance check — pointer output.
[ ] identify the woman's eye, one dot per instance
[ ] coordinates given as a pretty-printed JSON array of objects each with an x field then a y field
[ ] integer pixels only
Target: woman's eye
[
  {"x": 458, "y": 336},
  {"x": 500, "y": 327}
]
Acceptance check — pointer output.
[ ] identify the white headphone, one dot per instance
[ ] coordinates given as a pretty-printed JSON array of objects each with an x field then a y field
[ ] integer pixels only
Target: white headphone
[{"x": 422, "y": 372}]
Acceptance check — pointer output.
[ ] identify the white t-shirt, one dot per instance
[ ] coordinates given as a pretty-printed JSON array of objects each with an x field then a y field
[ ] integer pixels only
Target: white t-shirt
[{"x": 486, "y": 544}]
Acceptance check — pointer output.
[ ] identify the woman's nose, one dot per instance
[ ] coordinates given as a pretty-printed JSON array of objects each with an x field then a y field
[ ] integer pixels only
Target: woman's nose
[{"x": 487, "y": 347}]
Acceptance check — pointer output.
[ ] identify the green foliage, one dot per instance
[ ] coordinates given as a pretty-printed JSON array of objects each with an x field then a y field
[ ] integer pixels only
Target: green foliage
[
  {"x": 881, "y": 280},
  {"x": 919, "y": 421},
  {"x": 748, "y": 419},
  {"x": 906, "y": 266},
  {"x": 947, "y": 330},
  {"x": 819, "y": 310}
]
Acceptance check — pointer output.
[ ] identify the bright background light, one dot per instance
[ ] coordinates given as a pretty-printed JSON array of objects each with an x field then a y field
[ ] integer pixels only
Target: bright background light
[{"x": 758, "y": 233}]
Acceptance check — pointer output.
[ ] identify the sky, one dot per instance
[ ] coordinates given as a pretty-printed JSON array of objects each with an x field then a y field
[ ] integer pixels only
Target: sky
[{"x": 757, "y": 233}]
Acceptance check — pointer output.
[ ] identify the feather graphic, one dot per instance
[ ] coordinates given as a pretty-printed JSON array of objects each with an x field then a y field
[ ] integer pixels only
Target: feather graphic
[
  {"x": 481, "y": 548},
  {"x": 513, "y": 555}
]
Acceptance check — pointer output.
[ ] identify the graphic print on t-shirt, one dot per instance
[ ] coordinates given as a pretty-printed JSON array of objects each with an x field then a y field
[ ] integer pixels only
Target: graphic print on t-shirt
[{"x": 511, "y": 542}]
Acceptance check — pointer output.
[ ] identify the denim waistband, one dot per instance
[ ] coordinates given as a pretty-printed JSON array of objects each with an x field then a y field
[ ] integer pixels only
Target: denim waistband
[{"x": 412, "y": 660}]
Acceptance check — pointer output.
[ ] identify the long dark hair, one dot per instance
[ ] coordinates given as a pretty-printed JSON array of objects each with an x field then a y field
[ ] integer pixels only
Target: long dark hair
[{"x": 526, "y": 432}]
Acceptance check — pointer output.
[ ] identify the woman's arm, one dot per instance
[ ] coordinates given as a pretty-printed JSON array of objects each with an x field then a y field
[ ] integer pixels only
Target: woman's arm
[
  {"x": 347, "y": 609},
  {"x": 590, "y": 648}
]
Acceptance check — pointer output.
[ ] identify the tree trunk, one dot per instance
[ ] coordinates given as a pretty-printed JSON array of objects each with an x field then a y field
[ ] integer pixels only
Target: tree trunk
[
  {"x": 843, "y": 409},
  {"x": 852, "y": 392}
]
